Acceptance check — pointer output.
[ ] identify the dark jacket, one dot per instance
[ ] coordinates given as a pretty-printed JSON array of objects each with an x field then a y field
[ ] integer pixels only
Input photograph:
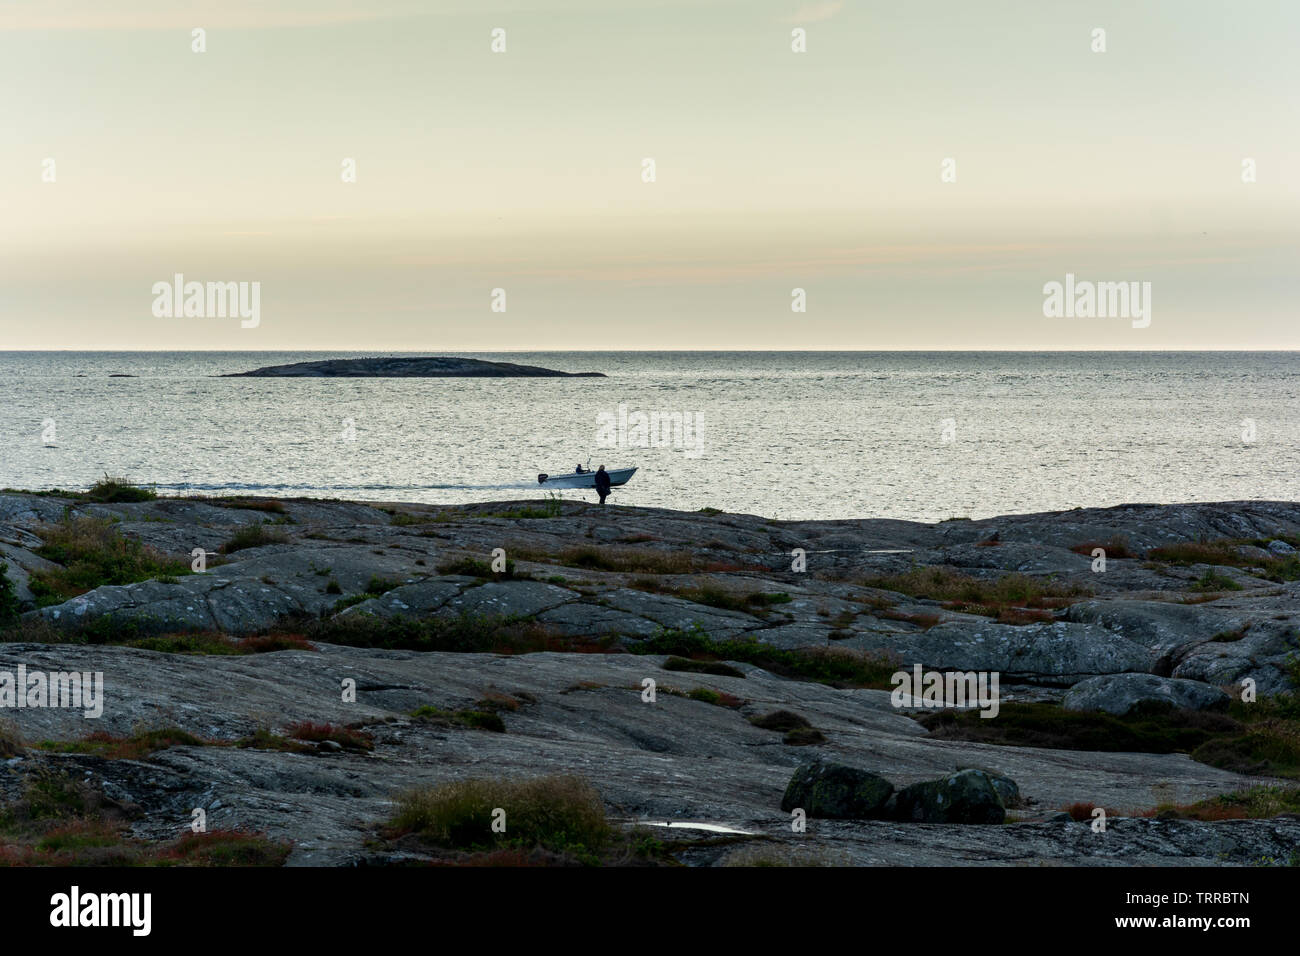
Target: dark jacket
[{"x": 602, "y": 481}]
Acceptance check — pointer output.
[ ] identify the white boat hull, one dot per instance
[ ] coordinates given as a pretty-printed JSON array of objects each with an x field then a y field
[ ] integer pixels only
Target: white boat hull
[{"x": 617, "y": 476}]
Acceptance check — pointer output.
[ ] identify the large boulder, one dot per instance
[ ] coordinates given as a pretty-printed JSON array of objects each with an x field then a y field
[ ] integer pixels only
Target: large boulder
[
  {"x": 1119, "y": 693},
  {"x": 967, "y": 796},
  {"x": 1008, "y": 790},
  {"x": 836, "y": 792}
]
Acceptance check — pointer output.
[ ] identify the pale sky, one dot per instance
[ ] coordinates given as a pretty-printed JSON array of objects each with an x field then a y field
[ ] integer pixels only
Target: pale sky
[{"x": 774, "y": 170}]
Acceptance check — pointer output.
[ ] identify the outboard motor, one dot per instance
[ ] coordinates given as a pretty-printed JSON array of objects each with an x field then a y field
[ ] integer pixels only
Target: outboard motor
[{"x": 541, "y": 479}]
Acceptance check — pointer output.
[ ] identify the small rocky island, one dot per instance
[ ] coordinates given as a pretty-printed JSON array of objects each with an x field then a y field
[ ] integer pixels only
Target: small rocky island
[{"x": 402, "y": 367}]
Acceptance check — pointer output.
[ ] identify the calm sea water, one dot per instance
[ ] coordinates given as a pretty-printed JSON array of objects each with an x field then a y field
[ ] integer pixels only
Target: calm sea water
[{"x": 787, "y": 435}]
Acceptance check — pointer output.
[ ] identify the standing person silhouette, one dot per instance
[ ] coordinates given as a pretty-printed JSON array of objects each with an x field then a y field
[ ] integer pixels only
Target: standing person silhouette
[{"x": 602, "y": 483}]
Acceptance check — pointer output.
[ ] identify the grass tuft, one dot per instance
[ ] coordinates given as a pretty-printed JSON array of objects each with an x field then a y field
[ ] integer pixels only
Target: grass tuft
[
  {"x": 1260, "y": 738},
  {"x": 345, "y": 737},
  {"x": 1004, "y": 597},
  {"x": 560, "y": 813},
  {"x": 253, "y": 536},
  {"x": 117, "y": 490},
  {"x": 836, "y": 666},
  {"x": 782, "y": 720},
  {"x": 1254, "y": 804},
  {"x": 93, "y": 554}
]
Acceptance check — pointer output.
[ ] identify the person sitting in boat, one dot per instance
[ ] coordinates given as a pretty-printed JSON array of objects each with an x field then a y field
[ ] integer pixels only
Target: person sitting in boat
[{"x": 580, "y": 470}]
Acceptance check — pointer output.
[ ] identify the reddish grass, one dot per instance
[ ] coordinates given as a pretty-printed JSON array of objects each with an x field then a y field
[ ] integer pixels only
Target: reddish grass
[
  {"x": 495, "y": 700},
  {"x": 136, "y": 747},
  {"x": 923, "y": 620},
  {"x": 13, "y": 855},
  {"x": 582, "y": 644},
  {"x": 264, "y": 643},
  {"x": 1023, "y": 615},
  {"x": 345, "y": 737},
  {"x": 730, "y": 567},
  {"x": 1082, "y": 812},
  {"x": 93, "y": 842},
  {"x": 226, "y": 848},
  {"x": 1114, "y": 548},
  {"x": 1197, "y": 552}
]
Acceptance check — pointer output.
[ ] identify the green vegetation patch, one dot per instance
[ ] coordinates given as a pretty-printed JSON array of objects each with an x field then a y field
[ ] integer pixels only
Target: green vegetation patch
[
  {"x": 553, "y": 507},
  {"x": 559, "y": 813},
  {"x": 349, "y": 738},
  {"x": 971, "y": 595},
  {"x": 224, "y": 848},
  {"x": 476, "y": 568},
  {"x": 701, "y": 667},
  {"x": 253, "y": 536},
  {"x": 137, "y": 746},
  {"x": 717, "y": 698},
  {"x": 217, "y": 643},
  {"x": 626, "y": 560},
  {"x": 1260, "y": 738},
  {"x": 93, "y": 554},
  {"x": 721, "y": 598},
  {"x": 836, "y": 666},
  {"x": 1226, "y": 552},
  {"x": 1212, "y": 580},
  {"x": 466, "y": 633},
  {"x": 476, "y": 719},
  {"x": 782, "y": 720},
  {"x": 9, "y": 603},
  {"x": 797, "y": 729},
  {"x": 267, "y": 505},
  {"x": 61, "y": 821},
  {"x": 1257, "y": 803},
  {"x": 117, "y": 490}
]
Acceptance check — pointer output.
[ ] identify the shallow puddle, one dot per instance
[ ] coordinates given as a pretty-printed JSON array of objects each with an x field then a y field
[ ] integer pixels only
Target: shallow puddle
[{"x": 681, "y": 825}]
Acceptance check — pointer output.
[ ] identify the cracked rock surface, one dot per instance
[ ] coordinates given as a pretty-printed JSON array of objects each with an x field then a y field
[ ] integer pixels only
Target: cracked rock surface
[{"x": 676, "y": 759}]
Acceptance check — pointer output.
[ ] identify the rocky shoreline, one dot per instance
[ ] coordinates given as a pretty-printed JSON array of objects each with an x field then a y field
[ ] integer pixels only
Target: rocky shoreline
[{"x": 596, "y": 592}]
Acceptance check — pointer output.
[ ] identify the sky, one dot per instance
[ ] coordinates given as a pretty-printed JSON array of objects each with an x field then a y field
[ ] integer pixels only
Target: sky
[{"x": 524, "y": 171}]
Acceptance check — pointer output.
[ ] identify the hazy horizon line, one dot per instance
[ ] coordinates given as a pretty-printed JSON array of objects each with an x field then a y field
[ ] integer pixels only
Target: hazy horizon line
[{"x": 500, "y": 351}]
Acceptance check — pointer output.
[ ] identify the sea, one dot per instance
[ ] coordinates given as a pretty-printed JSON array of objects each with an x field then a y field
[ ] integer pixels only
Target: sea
[{"x": 787, "y": 435}]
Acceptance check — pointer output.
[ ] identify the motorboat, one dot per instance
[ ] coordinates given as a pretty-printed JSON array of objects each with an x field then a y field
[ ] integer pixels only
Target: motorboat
[{"x": 584, "y": 479}]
